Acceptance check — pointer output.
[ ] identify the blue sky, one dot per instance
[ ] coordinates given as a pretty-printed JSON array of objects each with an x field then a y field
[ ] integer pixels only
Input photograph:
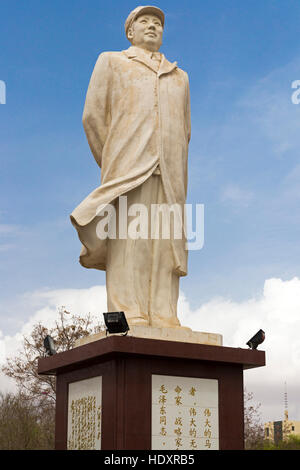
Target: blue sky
[{"x": 244, "y": 163}]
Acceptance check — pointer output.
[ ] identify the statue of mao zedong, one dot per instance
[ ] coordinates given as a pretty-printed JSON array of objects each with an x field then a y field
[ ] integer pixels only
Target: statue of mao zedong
[{"x": 137, "y": 122}]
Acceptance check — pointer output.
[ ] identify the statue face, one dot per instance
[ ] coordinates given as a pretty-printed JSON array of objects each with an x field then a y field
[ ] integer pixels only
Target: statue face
[{"x": 146, "y": 32}]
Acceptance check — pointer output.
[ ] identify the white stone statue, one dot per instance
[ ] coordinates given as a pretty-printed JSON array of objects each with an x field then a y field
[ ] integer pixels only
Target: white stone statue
[{"x": 137, "y": 122}]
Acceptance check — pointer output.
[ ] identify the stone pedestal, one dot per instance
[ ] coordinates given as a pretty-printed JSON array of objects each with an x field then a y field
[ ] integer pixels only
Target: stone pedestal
[
  {"x": 128, "y": 393},
  {"x": 182, "y": 334}
]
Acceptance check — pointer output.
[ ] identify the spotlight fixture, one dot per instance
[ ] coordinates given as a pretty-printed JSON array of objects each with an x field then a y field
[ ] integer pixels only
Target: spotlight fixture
[
  {"x": 116, "y": 322},
  {"x": 257, "y": 339},
  {"x": 49, "y": 345}
]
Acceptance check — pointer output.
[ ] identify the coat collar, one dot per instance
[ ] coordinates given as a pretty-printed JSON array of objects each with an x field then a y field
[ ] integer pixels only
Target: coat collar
[{"x": 138, "y": 54}]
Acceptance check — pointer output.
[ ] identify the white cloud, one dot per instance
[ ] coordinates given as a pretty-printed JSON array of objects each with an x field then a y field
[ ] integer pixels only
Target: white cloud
[
  {"x": 77, "y": 301},
  {"x": 7, "y": 247},
  {"x": 235, "y": 195},
  {"x": 7, "y": 232},
  {"x": 276, "y": 311},
  {"x": 45, "y": 305},
  {"x": 269, "y": 103},
  {"x": 291, "y": 185},
  {"x": 8, "y": 228}
]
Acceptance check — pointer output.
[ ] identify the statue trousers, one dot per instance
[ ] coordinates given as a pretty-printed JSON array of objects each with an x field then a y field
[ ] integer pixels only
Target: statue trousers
[{"x": 140, "y": 280}]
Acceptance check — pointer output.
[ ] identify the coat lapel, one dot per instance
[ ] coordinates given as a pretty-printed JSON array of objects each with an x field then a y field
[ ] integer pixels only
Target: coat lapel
[
  {"x": 166, "y": 66},
  {"x": 137, "y": 54}
]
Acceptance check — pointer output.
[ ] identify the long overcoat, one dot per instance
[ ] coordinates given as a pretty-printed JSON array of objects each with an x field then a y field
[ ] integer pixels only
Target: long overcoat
[{"x": 135, "y": 118}]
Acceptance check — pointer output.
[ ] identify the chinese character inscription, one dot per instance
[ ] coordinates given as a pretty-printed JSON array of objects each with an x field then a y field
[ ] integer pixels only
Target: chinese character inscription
[
  {"x": 184, "y": 413},
  {"x": 84, "y": 414}
]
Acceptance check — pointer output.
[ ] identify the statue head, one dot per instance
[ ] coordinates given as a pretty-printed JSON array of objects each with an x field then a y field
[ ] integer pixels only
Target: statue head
[{"x": 144, "y": 27}]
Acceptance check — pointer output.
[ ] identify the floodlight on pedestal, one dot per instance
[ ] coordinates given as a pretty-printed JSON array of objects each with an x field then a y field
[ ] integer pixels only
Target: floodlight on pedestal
[
  {"x": 257, "y": 339},
  {"x": 116, "y": 322},
  {"x": 49, "y": 345}
]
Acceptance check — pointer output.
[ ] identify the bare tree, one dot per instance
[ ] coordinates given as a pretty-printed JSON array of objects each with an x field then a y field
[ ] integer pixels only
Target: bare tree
[
  {"x": 23, "y": 367},
  {"x": 253, "y": 427}
]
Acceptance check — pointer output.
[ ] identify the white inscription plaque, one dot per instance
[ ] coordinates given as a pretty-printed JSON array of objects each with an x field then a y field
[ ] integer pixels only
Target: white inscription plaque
[
  {"x": 84, "y": 414},
  {"x": 185, "y": 413}
]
